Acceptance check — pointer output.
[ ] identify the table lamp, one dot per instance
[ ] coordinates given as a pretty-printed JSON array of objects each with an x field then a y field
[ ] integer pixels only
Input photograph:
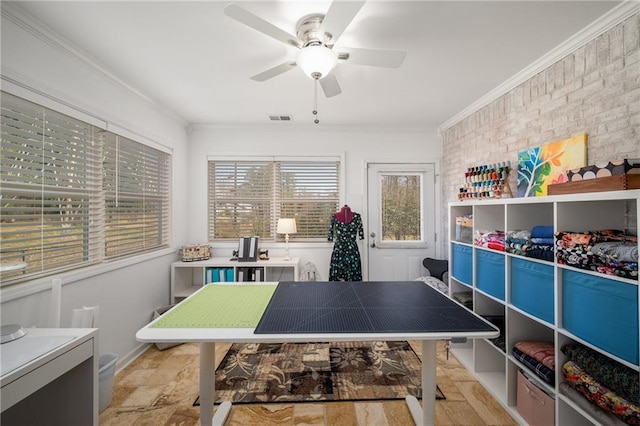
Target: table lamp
[{"x": 286, "y": 227}]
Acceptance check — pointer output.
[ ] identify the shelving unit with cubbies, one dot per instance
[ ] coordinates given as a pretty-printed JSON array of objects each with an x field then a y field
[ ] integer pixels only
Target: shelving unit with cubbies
[
  {"x": 544, "y": 300},
  {"x": 187, "y": 277}
]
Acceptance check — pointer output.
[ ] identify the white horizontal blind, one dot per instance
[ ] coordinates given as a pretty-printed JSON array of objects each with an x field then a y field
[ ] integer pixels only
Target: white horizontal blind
[
  {"x": 247, "y": 197},
  {"x": 309, "y": 192},
  {"x": 50, "y": 179},
  {"x": 240, "y": 199},
  {"x": 72, "y": 194},
  {"x": 136, "y": 188}
]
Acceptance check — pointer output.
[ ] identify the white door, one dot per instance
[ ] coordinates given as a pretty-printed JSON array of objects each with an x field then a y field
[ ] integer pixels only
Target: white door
[{"x": 401, "y": 220}]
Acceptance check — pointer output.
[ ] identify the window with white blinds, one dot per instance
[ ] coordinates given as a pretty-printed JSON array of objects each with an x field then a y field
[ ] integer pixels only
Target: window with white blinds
[
  {"x": 136, "y": 201},
  {"x": 58, "y": 210},
  {"x": 246, "y": 198}
]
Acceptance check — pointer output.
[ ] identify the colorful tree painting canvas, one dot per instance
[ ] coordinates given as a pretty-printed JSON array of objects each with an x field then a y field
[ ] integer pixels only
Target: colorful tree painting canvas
[{"x": 547, "y": 164}]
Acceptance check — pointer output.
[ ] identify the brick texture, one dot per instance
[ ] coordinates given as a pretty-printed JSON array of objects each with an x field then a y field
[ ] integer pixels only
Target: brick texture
[{"x": 594, "y": 90}]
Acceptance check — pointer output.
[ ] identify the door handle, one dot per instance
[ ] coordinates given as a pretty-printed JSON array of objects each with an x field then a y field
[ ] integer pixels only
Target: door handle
[{"x": 373, "y": 240}]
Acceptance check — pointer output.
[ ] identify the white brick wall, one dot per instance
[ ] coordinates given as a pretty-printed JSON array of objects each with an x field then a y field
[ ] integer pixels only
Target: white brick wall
[{"x": 594, "y": 90}]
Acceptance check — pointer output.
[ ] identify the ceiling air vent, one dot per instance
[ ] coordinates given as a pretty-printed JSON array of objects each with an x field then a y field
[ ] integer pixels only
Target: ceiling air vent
[{"x": 280, "y": 118}]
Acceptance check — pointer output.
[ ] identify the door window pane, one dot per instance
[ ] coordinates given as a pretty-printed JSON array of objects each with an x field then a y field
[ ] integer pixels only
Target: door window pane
[{"x": 401, "y": 207}]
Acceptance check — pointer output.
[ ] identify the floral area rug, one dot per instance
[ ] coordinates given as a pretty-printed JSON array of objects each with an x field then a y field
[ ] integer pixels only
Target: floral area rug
[{"x": 302, "y": 372}]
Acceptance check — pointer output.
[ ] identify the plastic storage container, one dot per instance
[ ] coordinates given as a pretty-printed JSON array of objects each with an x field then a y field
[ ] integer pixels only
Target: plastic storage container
[{"x": 106, "y": 373}]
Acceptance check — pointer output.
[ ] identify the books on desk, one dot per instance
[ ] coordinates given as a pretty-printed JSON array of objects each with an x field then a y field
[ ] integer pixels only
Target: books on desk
[
  {"x": 219, "y": 275},
  {"x": 250, "y": 274},
  {"x": 241, "y": 274}
]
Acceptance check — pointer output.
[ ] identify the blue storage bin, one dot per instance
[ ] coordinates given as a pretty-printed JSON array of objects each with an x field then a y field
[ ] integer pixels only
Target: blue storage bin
[
  {"x": 490, "y": 273},
  {"x": 462, "y": 263},
  {"x": 532, "y": 288},
  {"x": 602, "y": 311}
]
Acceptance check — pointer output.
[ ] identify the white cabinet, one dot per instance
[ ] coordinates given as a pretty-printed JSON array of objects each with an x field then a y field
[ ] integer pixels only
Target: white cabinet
[
  {"x": 544, "y": 300},
  {"x": 187, "y": 277},
  {"x": 50, "y": 377}
]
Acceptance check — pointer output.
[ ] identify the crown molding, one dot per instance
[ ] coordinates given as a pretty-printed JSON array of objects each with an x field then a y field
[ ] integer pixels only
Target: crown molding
[
  {"x": 297, "y": 127},
  {"x": 582, "y": 37}
]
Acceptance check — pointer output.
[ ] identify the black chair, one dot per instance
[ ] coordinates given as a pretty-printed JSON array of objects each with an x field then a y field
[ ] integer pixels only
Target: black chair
[{"x": 436, "y": 267}]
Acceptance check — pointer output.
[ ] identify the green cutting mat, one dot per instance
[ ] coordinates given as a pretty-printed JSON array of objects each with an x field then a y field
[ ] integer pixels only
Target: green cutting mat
[{"x": 220, "y": 306}]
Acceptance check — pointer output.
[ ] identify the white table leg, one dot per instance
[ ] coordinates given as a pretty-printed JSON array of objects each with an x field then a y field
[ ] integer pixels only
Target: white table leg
[
  {"x": 208, "y": 388},
  {"x": 207, "y": 382},
  {"x": 426, "y": 414}
]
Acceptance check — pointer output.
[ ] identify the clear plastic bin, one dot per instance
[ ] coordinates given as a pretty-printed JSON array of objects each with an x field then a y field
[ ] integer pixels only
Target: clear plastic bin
[{"x": 106, "y": 373}]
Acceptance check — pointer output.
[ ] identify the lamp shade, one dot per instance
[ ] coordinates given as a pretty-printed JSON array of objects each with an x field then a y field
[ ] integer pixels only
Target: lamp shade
[
  {"x": 316, "y": 59},
  {"x": 286, "y": 226}
]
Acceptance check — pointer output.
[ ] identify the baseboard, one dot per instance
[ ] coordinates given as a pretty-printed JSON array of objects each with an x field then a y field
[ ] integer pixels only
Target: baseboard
[{"x": 127, "y": 359}]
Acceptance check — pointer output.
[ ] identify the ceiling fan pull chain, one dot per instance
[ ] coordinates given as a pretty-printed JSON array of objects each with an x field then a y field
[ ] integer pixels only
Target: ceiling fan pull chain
[{"x": 315, "y": 100}]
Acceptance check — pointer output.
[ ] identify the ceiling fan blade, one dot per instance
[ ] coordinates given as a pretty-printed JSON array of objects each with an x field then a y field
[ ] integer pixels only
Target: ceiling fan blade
[
  {"x": 245, "y": 17},
  {"x": 374, "y": 57},
  {"x": 330, "y": 85},
  {"x": 275, "y": 71},
  {"x": 338, "y": 18}
]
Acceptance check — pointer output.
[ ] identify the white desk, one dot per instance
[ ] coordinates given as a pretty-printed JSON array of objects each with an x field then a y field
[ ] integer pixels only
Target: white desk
[
  {"x": 50, "y": 376},
  {"x": 207, "y": 337}
]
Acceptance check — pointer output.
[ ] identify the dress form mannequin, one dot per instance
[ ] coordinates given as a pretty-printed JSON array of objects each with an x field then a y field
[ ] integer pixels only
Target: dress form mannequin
[
  {"x": 346, "y": 228},
  {"x": 344, "y": 215}
]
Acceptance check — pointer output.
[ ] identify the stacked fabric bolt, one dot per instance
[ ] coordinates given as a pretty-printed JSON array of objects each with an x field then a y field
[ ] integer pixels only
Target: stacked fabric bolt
[
  {"x": 490, "y": 239},
  {"x": 498, "y": 321},
  {"x": 465, "y": 298},
  {"x": 610, "y": 252},
  {"x": 604, "y": 382},
  {"x": 542, "y": 243},
  {"x": 539, "y": 357},
  {"x": 518, "y": 242}
]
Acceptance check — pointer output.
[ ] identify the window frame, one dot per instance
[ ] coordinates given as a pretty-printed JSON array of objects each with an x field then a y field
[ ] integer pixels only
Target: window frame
[
  {"x": 98, "y": 263},
  {"x": 421, "y": 207},
  {"x": 239, "y": 158}
]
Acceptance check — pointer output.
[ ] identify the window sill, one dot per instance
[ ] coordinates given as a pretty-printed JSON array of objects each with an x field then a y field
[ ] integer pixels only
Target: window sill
[{"x": 28, "y": 288}]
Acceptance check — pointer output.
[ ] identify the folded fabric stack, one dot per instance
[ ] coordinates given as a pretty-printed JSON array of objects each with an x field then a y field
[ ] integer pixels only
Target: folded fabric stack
[
  {"x": 604, "y": 418},
  {"x": 537, "y": 243},
  {"x": 490, "y": 239},
  {"x": 610, "y": 252},
  {"x": 498, "y": 321},
  {"x": 539, "y": 357},
  {"x": 600, "y": 395},
  {"x": 517, "y": 242},
  {"x": 542, "y": 243},
  {"x": 465, "y": 298},
  {"x": 604, "y": 382}
]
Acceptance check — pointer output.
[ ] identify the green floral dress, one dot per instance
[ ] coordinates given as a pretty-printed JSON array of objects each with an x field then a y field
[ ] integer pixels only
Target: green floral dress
[{"x": 345, "y": 259}]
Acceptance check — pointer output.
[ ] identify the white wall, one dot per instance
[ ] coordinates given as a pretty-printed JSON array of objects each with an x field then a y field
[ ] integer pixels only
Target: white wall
[
  {"x": 37, "y": 66},
  {"x": 358, "y": 146}
]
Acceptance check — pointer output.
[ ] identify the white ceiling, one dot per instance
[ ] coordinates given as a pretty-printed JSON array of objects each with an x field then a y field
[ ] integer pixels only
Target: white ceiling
[{"x": 196, "y": 62}]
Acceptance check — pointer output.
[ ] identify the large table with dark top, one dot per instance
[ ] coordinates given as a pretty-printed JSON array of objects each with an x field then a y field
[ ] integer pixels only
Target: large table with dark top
[{"x": 316, "y": 312}]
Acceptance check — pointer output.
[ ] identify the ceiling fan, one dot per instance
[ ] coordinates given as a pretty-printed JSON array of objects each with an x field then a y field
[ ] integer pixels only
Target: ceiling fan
[{"x": 316, "y": 37}]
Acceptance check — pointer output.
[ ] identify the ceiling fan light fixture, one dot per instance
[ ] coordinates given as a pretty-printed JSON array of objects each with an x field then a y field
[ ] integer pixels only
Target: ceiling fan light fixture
[{"x": 316, "y": 59}]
